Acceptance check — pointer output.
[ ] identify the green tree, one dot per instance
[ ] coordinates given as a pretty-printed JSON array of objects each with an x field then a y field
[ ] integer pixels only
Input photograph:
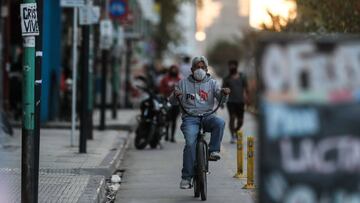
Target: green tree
[
  {"x": 168, "y": 31},
  {"x": 322, "y": 16},
  {"x": 221, "y": 52}
]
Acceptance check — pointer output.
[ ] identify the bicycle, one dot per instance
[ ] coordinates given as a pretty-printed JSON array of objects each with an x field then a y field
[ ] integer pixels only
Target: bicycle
[{"x": 202, "y": 155}]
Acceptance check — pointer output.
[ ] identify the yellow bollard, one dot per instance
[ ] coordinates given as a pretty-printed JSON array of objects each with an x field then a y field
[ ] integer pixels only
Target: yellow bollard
[
  {"x": 250, "y": 164},
  {"x": 240, "y": 156}
]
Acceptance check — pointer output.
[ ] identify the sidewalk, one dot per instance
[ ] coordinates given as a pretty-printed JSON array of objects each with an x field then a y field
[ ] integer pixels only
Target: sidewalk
[
  {"x": 66, "y": 175},
  {"x": 110, "y": 123}
]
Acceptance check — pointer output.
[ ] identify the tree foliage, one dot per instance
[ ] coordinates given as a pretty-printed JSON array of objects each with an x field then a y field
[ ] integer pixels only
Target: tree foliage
[
  {"x": 221, "y": 52},
  {"x": 322, "y": 16},
  {"x": 168, "y": 31}
]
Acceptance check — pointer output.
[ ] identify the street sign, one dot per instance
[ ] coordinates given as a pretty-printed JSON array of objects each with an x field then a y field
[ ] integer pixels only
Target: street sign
[
  {"x": 309, "y": 119},
  {"x": 72, "y": 3},
  {"x": 29, "y": 21},
  {"x": 89, "y": 15},
  {"x": 106, "y": 34},
  {"x": 119, "y": 10}
]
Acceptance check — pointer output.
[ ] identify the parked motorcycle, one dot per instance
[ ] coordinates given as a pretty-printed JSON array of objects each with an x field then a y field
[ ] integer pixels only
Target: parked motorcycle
[{"x": 153, "y": 120}]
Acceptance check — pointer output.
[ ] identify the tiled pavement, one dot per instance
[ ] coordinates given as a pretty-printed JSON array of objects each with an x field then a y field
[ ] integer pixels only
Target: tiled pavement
[{"x": 66, "y": 175}]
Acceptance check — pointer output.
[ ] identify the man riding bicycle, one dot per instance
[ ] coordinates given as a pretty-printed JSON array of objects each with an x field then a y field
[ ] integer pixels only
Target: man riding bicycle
[{"x": 197, "y": 93}]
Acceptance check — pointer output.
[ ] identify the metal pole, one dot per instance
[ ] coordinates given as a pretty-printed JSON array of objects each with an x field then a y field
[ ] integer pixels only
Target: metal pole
[
  {"x": 103, "y": 89},
  {"x": 38, "y": 83},
  {"x": 115, "y": 85},
  {"x": 1, "y": 57},
  {"x": 240, "y": 155},
  {"x": 7, "y": 39},
  {"x": 91, "y": 86},
  {"x": 73, "y": 114},
  {"x": 250, "y": 183},
  {"x": 127, "y": 73},
  {"x": 84, "y": 87},
  {"x": 28, "y": 124}
]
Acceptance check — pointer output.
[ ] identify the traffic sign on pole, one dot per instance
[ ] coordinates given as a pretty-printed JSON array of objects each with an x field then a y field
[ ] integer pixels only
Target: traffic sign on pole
[
  {"x": 89, "y": 15},
  {"x": 119, "y": 11},
  {"x": 106, "y": 34}
]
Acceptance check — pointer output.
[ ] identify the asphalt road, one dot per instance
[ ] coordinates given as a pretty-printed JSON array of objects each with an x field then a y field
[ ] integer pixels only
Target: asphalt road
[{"x": 153, "y": 176}]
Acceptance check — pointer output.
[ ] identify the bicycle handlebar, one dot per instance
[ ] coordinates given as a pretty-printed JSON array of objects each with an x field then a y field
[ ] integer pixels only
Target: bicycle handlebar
[{"x": 201, "y": 115}]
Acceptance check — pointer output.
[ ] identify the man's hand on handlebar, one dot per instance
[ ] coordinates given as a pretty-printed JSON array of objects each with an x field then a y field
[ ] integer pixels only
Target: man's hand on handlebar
[
  {"x": 177, "y": 93},
  {"x": 225, "y": 91}
]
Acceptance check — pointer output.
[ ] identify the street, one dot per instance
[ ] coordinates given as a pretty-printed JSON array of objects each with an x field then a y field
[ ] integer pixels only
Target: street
[{"x": 154, "y": 175}]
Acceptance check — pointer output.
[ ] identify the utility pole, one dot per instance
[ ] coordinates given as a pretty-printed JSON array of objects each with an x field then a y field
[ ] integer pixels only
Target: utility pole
[
  {"x": 38, "y": 84},
  {"x": 30, "y": 29}
]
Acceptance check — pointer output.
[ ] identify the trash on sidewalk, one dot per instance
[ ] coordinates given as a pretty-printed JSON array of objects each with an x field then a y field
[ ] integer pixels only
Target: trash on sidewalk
[{"x": 115, "y": 179}]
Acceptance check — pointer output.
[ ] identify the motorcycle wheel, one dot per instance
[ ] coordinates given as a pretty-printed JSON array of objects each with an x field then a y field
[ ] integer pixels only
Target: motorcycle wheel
[
  {"x": 141, "y": 135},
  {"x": 154, "y": 142}
]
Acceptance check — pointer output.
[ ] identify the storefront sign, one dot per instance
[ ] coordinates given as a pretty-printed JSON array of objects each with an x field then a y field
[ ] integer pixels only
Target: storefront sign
[
  {"x": 72, "y": 3},
  {"x": 309, "y": 120}
]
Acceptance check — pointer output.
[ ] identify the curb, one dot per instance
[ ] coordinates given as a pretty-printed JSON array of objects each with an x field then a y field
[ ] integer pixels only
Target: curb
[
  {"x": 96, "y": 189},
  {"x": 67, "y": 125}
]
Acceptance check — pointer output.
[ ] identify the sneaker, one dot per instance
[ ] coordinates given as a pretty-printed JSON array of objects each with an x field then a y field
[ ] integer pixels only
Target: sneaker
[
  {"x": 185, "y": 184},
  {"x": 215, "y": 156}
]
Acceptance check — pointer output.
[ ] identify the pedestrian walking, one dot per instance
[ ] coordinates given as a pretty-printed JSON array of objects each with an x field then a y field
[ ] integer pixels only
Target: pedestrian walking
[
  {"x": 167, "y": 85},
  {"x": 236, "y": 81}
]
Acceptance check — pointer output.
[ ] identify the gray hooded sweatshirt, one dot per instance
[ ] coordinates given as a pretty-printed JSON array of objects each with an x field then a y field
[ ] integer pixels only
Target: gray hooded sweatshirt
[{"x": 198, "y": 97}]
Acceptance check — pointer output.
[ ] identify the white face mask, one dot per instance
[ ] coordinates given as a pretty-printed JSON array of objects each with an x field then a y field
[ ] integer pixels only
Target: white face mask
[{"x": 199, "y": 74}]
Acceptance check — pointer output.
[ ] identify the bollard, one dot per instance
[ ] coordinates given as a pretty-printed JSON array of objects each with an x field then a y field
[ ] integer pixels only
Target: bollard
[
  {"x": 250, "y": 164},
  {"x": 240, "y": 156}
]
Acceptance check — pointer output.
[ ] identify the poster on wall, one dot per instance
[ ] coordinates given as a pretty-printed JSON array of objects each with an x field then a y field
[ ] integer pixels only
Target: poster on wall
[{"x": 309, "y": 119}]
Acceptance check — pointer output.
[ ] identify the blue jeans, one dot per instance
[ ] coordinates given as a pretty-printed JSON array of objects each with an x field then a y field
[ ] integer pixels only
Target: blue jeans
[{"x": 190, "y": 128}]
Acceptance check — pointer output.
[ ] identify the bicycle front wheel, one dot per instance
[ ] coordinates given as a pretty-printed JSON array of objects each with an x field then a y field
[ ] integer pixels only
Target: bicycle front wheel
[
  {"x": 196, "y": 187},
  {"x": 202, "y": 169}
]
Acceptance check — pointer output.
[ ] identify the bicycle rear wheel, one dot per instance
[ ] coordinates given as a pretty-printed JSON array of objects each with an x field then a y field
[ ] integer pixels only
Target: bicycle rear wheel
[{"x": 202, "y": 169}]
